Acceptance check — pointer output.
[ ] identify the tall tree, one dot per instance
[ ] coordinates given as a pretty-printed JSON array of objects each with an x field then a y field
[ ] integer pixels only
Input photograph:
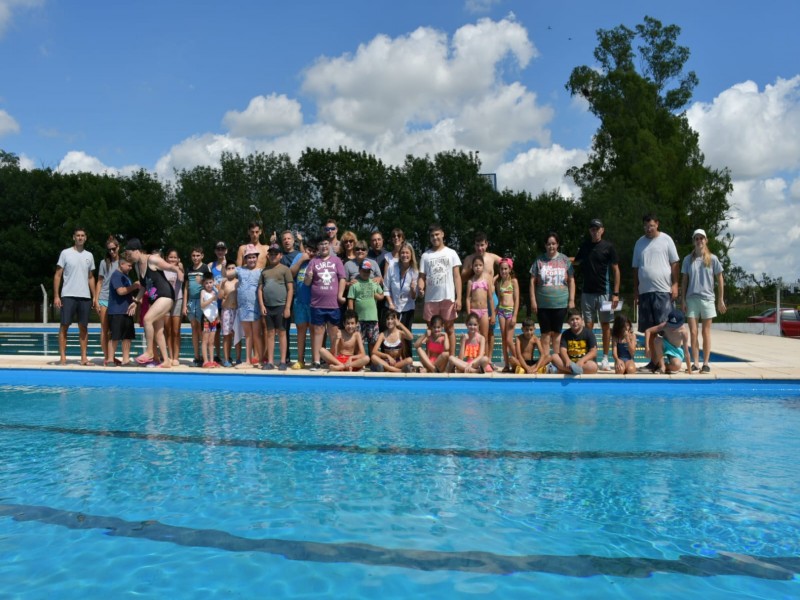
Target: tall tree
[{"x": 645, "y": 156}]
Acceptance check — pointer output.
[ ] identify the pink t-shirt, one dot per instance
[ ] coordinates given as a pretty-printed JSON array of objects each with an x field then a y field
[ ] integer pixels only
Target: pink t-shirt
[{"x": 324, "y": 274}]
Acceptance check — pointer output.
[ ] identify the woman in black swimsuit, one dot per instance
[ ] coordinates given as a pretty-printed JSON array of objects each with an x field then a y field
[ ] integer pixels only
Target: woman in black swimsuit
[{"x": 150, "y": 268}]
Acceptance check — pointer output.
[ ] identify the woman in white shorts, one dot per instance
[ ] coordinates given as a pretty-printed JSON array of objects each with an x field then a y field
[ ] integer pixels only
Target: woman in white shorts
[{"x": 698, "y": 272}]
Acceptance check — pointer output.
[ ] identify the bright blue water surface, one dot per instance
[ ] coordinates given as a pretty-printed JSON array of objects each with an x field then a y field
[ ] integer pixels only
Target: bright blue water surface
[{"x": 197, "y": 485}]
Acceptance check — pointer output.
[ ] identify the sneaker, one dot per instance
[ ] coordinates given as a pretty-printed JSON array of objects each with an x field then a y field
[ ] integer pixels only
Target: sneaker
[
  {"x": 705, "y": 369},
  {"x": 282, "y": 367},
  {"x": 197, "y": 362},
  {"x": 315, "y": 366},
  {"x": 552, "y": 369},
  {"x": 227, "y": 364},
  {"x": 695, "y": 367},
  {"x": 648, "y": 368},
  {"x": 604, "y": 366},
  {"x": 208, "y": 365},
  {"x": 297, "y": 366},
  {"x": 575, "y": 368},
  {"x": 489, "y": 369},
  {"x": 217, "y": 359},
  {"x": 268, "y": 366}
]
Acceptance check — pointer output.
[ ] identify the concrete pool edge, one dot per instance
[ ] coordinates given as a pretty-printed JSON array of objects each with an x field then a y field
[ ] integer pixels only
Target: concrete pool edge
[{"x": 379, "y": 382}]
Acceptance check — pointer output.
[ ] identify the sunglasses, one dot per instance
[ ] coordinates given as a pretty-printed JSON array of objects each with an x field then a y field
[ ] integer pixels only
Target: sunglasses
[
  {"x": 330, "y": 229},
  {"x": 361, "y": 249},
  {"x": 114, "y": 249}
]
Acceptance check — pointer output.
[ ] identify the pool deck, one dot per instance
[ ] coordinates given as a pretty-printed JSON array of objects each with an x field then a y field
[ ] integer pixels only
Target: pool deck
[{"x": 762, "y": 357}]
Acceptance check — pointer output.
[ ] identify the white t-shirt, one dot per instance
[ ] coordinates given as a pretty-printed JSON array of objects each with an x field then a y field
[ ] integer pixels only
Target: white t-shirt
[
  {"x": 75, "y": 278},
  {"x": 210, "y": 312},
  {"x": 438, "y": 270},
  {"x": 654, "y": 257}
]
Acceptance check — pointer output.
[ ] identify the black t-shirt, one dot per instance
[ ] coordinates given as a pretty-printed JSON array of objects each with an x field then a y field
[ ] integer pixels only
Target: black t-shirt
[
  {"x": 595, "y": 260},
  {"x": 578, "y": 345}
]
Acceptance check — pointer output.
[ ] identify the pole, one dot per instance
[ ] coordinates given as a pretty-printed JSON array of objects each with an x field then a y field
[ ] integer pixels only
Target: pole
[
  {"x": 778, "y": 305},
  {"x": 44, "y": 304}
]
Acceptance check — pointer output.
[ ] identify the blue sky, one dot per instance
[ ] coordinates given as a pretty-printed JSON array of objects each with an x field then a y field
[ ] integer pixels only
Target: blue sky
[{"x": 113, "y": 86}]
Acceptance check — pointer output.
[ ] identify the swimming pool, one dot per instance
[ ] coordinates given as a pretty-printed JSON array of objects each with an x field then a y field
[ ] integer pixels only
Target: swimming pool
[{"x": 192, "y": 484}]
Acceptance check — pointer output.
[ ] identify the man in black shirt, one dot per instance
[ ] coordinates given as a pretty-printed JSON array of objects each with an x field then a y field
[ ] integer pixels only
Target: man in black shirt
[{"x": 598, "y": 259}]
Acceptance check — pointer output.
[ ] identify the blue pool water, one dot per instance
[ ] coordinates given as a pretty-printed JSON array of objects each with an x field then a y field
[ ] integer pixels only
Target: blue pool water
[{"x": 183, "y": 486}]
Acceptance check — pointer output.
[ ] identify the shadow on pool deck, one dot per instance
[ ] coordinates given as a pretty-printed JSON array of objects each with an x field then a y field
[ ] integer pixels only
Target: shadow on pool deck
[{"x": 762, "y": 357}]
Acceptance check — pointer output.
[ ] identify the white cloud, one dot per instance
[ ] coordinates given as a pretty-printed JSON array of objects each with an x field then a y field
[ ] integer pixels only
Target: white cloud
[
  {"x": 420, "y": 93},
  {"x": 414, "y": 80},
  {"x": 480, "y": 6},
  {"x": 754, "y": 133},
  {"x": 541, "y": 169},
  {"x": 26, "y": 163},
  {"x": 76, "y": 161},
  {"x": 794, "y": 190},
  {"x": 206, "y": 150},
  {"x": 7, "y": 7},
  {"x": 8, "y": 124},
  {"x": 765, "y": 227},
  {"x": 265, "y": 116}
]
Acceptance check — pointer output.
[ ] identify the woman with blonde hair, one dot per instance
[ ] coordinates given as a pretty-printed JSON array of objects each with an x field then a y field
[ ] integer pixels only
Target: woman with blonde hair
[
  {"x": 401, "y": 284},
  {"x": 347, "y": 246},
  {"x": 698, "y": 272}
]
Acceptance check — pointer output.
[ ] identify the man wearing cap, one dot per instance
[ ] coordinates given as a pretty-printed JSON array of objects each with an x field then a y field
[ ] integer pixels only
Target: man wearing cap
[
  {"x": 75, "y": 268},
  {"x": 655, "y": 277},
  {"x": 668, "y": 350},
  {"x": 276, "y": 291},
  {"x": 598, "y": 260}
]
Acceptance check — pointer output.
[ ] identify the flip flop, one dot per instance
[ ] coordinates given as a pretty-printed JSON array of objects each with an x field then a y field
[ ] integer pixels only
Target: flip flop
[{"x": 143, "y": 359}]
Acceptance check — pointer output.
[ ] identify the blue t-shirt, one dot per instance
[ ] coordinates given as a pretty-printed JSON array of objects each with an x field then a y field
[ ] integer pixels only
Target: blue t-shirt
[
  {"x": 302, "y": 293},
  {"x": 118, "y": 305}
]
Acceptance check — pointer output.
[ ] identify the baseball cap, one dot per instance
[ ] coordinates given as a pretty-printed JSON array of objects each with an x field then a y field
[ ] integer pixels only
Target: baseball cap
[
  {"x": 274, "y": 249},
  {"x": 595, "y": 223},
  {"x": 221, "y": 245},
  {"x": 699, "y": 232},
  {"x": 675, "y": 318},
  {"x": 366, "y": 265},
  {"x": 133, "y": 244}
]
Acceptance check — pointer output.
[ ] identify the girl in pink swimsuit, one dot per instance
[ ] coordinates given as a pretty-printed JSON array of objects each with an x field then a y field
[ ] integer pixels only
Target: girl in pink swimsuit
[{"x": 480, "y": 297}]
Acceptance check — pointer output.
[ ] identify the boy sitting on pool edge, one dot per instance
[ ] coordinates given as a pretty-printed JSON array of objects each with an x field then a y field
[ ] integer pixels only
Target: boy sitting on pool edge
[
  {"x": 347, "y": 350},
  {"x": 578, "y": 349},
  {"x": 670, "y": 348}
]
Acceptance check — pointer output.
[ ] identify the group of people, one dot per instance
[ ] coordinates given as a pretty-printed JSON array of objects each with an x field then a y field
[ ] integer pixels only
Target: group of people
[{"x": 361, "y": 297}]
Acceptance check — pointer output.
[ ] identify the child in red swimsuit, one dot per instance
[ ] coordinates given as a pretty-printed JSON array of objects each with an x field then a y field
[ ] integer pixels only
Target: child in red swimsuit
[{"x": 436, "y": 351}]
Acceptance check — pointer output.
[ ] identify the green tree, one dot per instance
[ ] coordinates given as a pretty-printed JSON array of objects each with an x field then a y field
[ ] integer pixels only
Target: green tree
[{"x": 645, "y": 156}]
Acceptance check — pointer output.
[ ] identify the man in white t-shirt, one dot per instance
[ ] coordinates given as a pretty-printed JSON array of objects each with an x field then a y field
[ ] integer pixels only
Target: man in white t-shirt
[
  {"x": 440, "y": 282},
  {"x": 656, "y": 276},
  {"x": 75, "y": 269}
]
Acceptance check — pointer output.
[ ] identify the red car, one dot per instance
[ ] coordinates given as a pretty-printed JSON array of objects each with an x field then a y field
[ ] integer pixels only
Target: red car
[{"x": 790, "y": 320}]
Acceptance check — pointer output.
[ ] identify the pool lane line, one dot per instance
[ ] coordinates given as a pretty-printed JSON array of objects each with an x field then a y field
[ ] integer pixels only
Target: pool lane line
[
  {"x": 482, "y": 453},
  {"x": 582, "y": 565}
]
